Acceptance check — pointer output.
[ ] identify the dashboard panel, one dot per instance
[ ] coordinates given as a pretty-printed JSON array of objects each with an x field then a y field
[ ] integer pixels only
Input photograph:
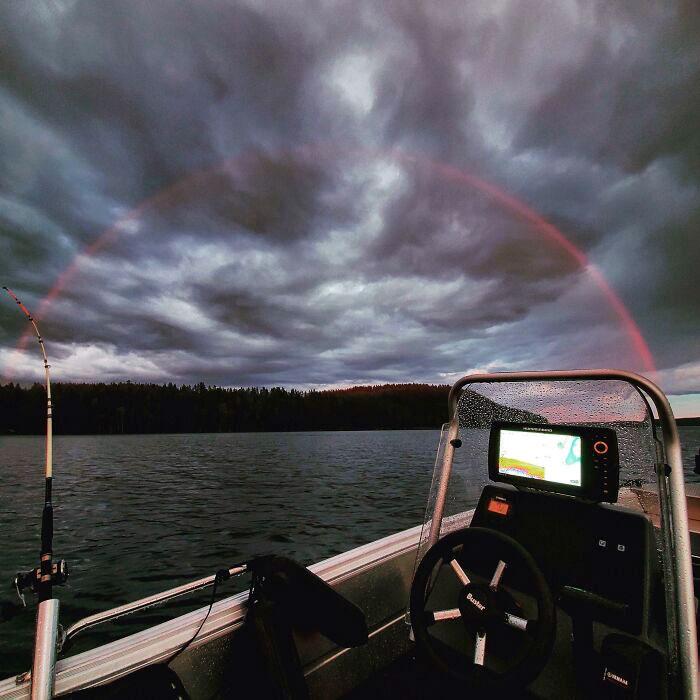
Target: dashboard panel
[{"x": 597, "y": 559}]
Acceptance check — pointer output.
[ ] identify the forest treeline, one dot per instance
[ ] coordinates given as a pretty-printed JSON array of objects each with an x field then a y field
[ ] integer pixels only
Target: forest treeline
[{"x": 126, "y": 407}]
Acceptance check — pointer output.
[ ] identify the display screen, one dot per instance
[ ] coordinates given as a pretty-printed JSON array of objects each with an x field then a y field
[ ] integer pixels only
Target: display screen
[{"x": 545, "y": 456}]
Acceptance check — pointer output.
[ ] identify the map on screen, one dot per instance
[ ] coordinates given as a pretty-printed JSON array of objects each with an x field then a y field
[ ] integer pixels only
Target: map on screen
[{"x": 536, "y": 455}]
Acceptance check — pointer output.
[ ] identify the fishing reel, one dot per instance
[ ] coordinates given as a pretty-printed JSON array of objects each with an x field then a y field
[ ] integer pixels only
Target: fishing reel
[{"x": 31, "y": 580}]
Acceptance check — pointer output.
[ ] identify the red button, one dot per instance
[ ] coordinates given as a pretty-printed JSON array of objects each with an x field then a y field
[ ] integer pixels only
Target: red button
[
  {"x": 498, "y": 506},
  {"x": 600, "y": 447}
]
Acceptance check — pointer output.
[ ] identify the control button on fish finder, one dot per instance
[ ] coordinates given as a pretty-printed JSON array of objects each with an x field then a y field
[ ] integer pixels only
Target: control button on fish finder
[{"x": 600, "y": 447}]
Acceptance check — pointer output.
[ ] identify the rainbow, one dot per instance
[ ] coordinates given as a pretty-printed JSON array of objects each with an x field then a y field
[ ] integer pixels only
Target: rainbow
[{"x": 500, "y": 197}]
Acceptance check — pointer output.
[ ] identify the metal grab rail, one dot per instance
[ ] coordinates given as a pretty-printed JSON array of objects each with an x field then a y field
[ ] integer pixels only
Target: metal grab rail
[
  {"x": 141, "y": 604},
  {"x": 679, "y": 568}
]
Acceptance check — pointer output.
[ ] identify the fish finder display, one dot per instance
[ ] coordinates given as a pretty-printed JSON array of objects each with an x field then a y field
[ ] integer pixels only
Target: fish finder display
[
  {"x": 574, "y": 460},
  {"x": 539, "y": 455}
]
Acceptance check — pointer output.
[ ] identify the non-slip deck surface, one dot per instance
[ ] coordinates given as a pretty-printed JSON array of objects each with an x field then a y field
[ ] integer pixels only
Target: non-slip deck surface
[{"x": 411, "y": 678}]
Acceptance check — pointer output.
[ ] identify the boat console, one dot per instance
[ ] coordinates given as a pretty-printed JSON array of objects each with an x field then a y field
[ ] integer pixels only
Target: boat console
[
  {"x": 554, "y": 589},
  {"x": 598, "y": 560},
  {"x": 542, "y": 541}
]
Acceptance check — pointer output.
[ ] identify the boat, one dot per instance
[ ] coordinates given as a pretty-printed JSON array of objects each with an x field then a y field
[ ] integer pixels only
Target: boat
[{"x": 572, "y": 576}]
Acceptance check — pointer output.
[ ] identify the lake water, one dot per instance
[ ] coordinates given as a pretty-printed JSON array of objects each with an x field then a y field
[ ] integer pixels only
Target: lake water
[{"x": 136, "y": 514}]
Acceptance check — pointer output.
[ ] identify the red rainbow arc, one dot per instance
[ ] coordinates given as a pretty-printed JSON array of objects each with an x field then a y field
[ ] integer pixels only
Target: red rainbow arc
[{"x": 496, "y": 194}]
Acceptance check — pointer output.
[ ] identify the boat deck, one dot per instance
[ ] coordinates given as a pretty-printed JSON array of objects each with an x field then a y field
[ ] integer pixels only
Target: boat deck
[
  {"x": 646, "y": 499},
  {"x": 410, "y": 678}
]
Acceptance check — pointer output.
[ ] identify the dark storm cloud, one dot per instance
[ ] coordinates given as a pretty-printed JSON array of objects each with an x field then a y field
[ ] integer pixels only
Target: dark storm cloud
[
  {"x": 425, "y": 98},
  {"x": 631, "y": 105},
  {"x": 274, "y": 174},
  {"x": 473, "y": 234},
  {"x": 630, "y": 99}
]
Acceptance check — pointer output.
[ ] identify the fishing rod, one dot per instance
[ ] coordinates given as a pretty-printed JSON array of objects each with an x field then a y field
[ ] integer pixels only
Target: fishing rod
[{"x": 42, "y": 579}]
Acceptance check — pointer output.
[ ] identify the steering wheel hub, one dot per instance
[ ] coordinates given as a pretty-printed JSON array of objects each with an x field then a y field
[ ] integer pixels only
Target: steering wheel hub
[{"x": 477, "y": 604}]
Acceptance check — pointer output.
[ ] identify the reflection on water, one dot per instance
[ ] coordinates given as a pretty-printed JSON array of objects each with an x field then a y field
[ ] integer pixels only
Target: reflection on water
[{"x": 138, "y": 514}]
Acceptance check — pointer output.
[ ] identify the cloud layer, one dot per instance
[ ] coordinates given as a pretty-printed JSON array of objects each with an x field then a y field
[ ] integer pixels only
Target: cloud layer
[{"x": 276, "y": 195}]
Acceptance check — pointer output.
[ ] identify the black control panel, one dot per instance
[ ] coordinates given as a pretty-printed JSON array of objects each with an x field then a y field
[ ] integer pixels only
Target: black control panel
[{"x": 596, "y": 558}]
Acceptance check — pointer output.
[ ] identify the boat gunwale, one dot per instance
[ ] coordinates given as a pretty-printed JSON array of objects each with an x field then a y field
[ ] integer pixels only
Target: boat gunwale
[{"x": 78, "y": 672}]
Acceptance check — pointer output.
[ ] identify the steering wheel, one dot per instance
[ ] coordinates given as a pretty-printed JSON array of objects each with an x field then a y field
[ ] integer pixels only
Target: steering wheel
[{"x": 484, "y": 607}]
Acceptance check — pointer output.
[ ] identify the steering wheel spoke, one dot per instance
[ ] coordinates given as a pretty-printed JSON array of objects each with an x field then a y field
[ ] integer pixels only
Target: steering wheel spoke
[
  {"x": 480, "y": 648},
  {"x": 519, "y": 623},
  {"x": 434, "y": 616},
  {"x": 497, "y": 575},
  {"x": 461, "y": 574}
]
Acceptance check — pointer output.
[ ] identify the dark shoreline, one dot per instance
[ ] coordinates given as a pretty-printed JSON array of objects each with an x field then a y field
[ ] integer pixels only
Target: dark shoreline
[{"x": 125, "y": 408}]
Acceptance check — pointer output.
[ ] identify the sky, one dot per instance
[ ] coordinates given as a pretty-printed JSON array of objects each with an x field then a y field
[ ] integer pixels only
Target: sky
[{"x": 329, "y": 194}]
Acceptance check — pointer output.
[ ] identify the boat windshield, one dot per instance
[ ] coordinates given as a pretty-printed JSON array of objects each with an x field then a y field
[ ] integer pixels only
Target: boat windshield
[{"x": 611, "y": 404}]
